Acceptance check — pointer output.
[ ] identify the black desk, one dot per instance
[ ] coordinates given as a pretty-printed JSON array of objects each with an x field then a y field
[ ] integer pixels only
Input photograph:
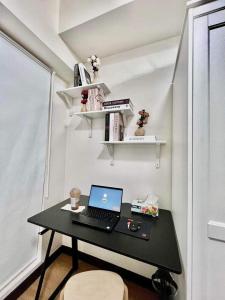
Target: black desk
[{"x": 160, "y": 251}]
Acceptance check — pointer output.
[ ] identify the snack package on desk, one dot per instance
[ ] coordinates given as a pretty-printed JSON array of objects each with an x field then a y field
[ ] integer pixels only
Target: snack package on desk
[{"x": 147, "y": 206}]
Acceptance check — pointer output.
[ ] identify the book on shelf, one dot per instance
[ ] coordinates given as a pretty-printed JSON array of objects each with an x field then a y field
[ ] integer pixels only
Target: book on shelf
[
  {"x": 77, "y": 78},
  {"x": 114, "y": 127},
  {"x": 111, "y": 126},
  {"x": 145, "y": 138},
  {"x": 121, "y": 127},
  {"x": 118, "y": 102},
  {"x": 95, "y": 99},
  {"x": 117, "y": 107},
  {"x": 107, "y": 116}
]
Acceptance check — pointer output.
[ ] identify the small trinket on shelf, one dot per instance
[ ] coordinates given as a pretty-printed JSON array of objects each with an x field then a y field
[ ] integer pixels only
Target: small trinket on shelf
[{"x": 84, "y": 100}]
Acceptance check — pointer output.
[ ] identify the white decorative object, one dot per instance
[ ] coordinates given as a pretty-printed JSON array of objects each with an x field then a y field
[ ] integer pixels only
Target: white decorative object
[
  {"x": 84, "y": 75},
  {"x": 143, "y": 120},
  {"x": 68, "y": 207},
  {"x": 95, "y": 62}
]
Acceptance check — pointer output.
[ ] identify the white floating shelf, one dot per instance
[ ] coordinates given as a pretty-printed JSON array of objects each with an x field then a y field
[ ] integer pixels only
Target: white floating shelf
[
  {"x": 110, "y": 147},
  {"x": 101, "y": 113},
  {"x": 97, "y": 114},
  {"x": 134, "y": 142},
  {"x": 75, "y": 92}
]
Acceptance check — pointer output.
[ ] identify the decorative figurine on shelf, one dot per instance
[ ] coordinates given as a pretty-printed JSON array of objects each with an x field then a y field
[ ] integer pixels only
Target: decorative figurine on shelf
[
  {"x": 84, "y": 100},
  {"x": 95, "y": 62},
  {"x": 141, "y": 122},
  {"x": 75, "y": 198}
]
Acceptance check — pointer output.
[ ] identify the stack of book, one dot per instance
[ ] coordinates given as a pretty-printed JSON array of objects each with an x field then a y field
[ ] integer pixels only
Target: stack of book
[
  {"x": 114, "y": 127},
  {"x": 95, "y": 99},
  {"x": 118, "y": 104}
]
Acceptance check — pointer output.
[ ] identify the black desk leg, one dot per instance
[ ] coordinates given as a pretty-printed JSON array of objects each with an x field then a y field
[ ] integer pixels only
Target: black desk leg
[
  {"x": 68, "y": 275},
  {"x": 45, "y": 266},
  {"x": 74, "y": 254},
  {"x": 71, "y": 272}
]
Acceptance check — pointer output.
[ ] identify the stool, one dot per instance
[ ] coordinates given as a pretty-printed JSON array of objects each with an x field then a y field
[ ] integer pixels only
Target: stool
[{"x": 95, "y": 285}]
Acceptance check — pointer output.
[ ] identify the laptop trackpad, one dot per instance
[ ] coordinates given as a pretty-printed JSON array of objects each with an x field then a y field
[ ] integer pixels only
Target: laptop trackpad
[
  {"x": 93, "y": 222},
  {"x": 88, "y": 220}
]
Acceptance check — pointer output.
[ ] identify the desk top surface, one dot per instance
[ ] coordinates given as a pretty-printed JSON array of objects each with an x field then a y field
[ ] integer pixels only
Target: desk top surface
[{"x": 161, "y": 250}]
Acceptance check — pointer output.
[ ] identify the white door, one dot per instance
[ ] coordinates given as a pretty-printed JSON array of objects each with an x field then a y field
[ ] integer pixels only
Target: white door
[{"x": 208, "y": 277}]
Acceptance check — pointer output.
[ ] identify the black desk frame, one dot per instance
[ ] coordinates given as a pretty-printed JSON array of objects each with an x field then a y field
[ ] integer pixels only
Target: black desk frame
[
  {"x": 36, "y": 220},
  {"x": 45, "y": 266}
]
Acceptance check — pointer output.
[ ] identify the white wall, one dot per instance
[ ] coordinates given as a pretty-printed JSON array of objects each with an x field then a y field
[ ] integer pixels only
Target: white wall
[
  {"x": 76, "y": 12},
  {"x": 15, "y": 28},
  {"x": 180, "y": 157},
  {"x": 41, "y": 17},
  {"x": 87, "y": 161}
]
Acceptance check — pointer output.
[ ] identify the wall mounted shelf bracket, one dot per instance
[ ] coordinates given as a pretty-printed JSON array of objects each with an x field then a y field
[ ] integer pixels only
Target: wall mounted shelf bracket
[
  {"x": 89, "y": 124},
  {"x": 157, "y": 154},
  {"x": 66, "y": 99},
  {"x": 110, "y": 148}
]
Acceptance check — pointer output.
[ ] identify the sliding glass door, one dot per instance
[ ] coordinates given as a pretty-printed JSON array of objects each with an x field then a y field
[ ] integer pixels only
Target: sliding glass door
[{"x": 24, "y": 114}]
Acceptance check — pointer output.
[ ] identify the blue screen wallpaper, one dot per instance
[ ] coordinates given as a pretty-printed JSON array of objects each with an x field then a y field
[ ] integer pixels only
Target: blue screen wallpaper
[{"x": 106, "y": 198}]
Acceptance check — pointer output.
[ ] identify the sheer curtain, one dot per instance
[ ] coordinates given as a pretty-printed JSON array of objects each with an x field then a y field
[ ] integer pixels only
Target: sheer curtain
[{"x": 24, "y": 113}]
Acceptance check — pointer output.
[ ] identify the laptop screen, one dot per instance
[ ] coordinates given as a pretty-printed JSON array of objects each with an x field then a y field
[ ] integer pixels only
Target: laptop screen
[{"x": 106, "y": 198}]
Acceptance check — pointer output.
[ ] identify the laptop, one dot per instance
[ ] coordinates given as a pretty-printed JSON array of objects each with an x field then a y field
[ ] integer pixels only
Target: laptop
[{"x": 103, "y": 210}]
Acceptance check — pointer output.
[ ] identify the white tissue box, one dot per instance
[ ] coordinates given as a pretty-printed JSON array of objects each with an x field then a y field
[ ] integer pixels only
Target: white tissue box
[{"x": 145, "y": 207}]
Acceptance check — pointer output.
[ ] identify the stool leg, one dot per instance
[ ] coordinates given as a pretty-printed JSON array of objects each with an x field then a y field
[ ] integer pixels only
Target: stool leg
[
  {"x": 74, "y": 254},
  {"x": 61, "y": 285}
]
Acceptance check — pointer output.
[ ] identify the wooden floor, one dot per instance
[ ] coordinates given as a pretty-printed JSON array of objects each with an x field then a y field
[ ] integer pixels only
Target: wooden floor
[{"x": 59, "y": 269}]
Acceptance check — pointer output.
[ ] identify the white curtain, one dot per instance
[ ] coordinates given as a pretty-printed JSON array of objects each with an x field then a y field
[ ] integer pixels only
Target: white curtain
[{"x": 24, "y": 112}]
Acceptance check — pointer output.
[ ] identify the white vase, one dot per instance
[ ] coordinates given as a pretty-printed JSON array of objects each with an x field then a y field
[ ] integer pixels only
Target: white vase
[{"x": 139, "y": 131}]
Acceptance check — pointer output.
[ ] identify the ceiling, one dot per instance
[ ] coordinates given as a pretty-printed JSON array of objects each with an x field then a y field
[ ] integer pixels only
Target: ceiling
[
  {"x": 75, "y": 12},
  {"x": 132, "y": 25}
]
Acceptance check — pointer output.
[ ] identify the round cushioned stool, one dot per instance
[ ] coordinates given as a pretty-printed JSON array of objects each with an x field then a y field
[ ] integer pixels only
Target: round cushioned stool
[{"x": 95, "y": 285}]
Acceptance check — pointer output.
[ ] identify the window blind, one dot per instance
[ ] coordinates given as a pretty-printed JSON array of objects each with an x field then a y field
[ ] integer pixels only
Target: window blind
[{"x": 24, "y": 113}]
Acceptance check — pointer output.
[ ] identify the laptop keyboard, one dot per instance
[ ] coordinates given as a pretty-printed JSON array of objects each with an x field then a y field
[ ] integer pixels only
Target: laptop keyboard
[{"x": 97, "y": 213}]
